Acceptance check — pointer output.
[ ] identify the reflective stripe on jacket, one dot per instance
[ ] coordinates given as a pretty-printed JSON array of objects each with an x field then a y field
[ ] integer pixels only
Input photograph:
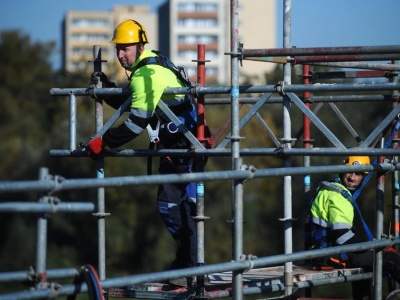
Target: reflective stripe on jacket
[{"x": 331, "y": 210}]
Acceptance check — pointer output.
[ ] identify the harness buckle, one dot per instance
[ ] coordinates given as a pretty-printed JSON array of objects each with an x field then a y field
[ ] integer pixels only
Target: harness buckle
[{"x": 153, "y": 133}]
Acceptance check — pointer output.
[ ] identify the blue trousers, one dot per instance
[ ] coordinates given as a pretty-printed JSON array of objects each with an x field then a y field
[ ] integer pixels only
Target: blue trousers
[{"x": 177, "y": 206}]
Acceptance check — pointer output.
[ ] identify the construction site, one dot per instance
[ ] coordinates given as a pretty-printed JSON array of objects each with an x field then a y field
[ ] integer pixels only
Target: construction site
[{"x": 281, "y": 276}]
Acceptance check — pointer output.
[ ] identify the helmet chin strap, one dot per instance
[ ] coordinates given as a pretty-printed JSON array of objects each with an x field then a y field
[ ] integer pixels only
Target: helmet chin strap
[{"x": 127, "y": 75}]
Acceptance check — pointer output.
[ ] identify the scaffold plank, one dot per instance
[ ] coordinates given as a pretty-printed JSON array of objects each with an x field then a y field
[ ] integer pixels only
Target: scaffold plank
[{"x": 220, "y": 284}]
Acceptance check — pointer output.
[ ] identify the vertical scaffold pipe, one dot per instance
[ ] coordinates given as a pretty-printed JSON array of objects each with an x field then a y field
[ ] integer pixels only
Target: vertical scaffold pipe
[
  {"x": 395, "y": 174},
  {"x": 306, "y": 144},
  {"x": 306, "y": 129},
  {"x": 100, "y": 172},
  {"x": 286, "y": 142},
  {"x": 72, "y": 122},
  {"x": 41, "y": 238},
  {"x": 237, "y": 185},
  {"x": 200, "y": 288},
  {"x": 380, "y": 192}
]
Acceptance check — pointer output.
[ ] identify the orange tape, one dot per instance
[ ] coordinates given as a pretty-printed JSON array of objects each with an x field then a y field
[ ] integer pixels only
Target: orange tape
[{"x": 397, "y": 227}]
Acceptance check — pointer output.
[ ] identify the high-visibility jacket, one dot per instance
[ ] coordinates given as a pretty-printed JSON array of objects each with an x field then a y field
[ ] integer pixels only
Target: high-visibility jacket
[
  {"x": 148, "y": 84},
  {"x": 331, "y": 217}
]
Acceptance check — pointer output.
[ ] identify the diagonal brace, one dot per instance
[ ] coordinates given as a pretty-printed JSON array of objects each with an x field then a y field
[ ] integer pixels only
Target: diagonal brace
[
  {"x": 313, "y": 118},
  {"x": 247, "y": 117}
]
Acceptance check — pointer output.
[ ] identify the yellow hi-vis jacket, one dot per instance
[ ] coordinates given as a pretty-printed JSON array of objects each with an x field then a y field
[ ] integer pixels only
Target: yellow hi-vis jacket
[
  {"x": 331, "y": 210},
  {"x": 148, "y": 84}
]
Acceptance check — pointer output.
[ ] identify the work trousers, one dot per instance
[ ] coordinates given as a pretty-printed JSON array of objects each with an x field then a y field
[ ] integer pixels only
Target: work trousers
[{"x": 177, "y": 207}]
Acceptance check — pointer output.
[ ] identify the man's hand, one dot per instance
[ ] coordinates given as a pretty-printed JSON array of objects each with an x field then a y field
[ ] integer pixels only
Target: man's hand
[
  {"x": 96, "y": 76},
  {"x": 95, "y": 146}
]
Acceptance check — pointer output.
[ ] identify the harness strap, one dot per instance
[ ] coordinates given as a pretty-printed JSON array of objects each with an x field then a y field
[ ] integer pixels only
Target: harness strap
[{"x": 349, "y": 197}]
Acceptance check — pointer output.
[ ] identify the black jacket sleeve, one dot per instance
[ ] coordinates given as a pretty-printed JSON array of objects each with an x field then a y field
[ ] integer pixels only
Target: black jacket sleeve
[{"x": 115, "y": 137}]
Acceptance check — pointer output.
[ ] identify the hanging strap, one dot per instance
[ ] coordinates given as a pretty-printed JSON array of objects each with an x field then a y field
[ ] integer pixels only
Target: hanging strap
[{"x": 368, "y": 176}]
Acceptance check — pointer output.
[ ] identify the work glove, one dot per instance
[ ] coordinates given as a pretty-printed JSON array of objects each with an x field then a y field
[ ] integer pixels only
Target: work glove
[
  {"x": 96, "y": 76},
  {"x": 95, "y": 146}
]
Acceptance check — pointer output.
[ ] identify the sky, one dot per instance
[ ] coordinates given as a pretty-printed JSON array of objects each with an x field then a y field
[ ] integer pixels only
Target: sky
[{"x": 315, "y": 23}]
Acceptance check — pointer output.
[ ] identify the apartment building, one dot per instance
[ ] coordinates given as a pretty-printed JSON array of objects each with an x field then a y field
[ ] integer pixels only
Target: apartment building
[
  {"x": 176, "y": 30},
  {"x": 187, "y": 23},
  {"x": 83, "y": 30}
]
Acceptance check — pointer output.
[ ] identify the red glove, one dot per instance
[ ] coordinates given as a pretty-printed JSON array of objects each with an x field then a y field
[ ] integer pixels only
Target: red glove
[
  {"x": 390, "y": 249},
  {"x": 95, "y": 146}
]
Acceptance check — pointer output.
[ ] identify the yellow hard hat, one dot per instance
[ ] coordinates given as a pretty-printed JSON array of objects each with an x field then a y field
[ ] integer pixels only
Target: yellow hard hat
[
  {"x": 129, "y": 32},
  {"x": 357, "y": 160}
]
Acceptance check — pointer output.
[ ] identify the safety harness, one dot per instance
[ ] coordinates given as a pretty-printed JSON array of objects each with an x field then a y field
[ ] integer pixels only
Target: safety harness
[
  {"x": 315, "y": 233},
  {"x": 184, "y": 107},
  {"x": 164, "y": 61},
  {"x": 180, "y": 73},
  {"x": 316, "y": 236}
]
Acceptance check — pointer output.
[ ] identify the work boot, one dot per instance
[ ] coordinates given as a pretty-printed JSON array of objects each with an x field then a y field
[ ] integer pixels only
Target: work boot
[{"x": 188, "y": 281}]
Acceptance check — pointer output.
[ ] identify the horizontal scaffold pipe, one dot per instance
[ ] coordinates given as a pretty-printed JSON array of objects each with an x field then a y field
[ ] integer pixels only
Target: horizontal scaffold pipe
[
  {"x": 227, "y": 152},
  {"x": 206, "y": 269},
  {"x": 30, "y": 275},
  {"x": 313, "y": 99},
  {"x": 38, "y": 207},
  {"x": 344, "y": 58},
  {"x": 358, "y": 65},
  {"x": 245, "y": 174},
  {"x": 353, "y": 59},
  {"x": 321, "y": 51},
  {"x": 319, "y": 87}
]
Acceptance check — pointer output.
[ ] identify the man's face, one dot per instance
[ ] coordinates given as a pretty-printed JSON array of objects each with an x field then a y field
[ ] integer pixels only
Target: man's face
[
  {"x": 127, "y": 54},
  {"x": 352, "y": 180}
]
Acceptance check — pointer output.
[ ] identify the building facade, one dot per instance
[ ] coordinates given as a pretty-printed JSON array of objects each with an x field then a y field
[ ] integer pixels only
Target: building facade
[
  {"x": 187, "y": 23},
  {"x": 83, "y": 30},
  {"x": 177, "y": 28}
]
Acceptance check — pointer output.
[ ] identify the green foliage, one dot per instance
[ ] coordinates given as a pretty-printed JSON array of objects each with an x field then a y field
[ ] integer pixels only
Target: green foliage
[{"x": 33, "y": 123}]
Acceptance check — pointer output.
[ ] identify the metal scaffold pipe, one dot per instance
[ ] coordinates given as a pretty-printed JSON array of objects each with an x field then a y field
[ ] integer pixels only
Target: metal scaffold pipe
[
  {"x": 321, "y": 51},
  {"x": 28, "y": 275},
  {"x": 238, "y": 266},
  {"x": 24, "y": 207},
  {"x": 243, "y": 174},
  {"x": 293, "y": 88},
  {"x": 227, "y": 152}
]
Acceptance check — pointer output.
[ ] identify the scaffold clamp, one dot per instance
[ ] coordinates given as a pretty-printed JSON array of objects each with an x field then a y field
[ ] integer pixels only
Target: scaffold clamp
[
  {"x": 57, "y": 183},
  {"x": 280, "y": 87},
  {"x": 251, "y": 170},
  {"x": 248, "y": 258}
]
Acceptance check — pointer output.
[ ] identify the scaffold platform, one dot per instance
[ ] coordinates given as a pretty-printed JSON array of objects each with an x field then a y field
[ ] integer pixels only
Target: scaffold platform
[{"x": 220, "y": 284}]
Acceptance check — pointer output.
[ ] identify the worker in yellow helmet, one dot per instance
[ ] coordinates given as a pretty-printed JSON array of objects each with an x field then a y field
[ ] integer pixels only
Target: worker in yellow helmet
[
  {"x": 150, "y": 74},
  {"x": 330, "y": 222}
]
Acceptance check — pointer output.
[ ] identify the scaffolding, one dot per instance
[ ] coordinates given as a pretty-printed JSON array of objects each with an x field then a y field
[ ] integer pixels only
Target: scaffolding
[{"x": 236, "y": 276}]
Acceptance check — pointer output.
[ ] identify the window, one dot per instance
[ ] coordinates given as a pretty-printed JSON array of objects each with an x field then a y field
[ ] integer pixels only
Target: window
[
  {"x": 197, "y": 7},
  {"x": 86, "y": 37},
  {"x": 197, "y": 39},
  {"x": 89, "y": 22},
  {"x": 191, "y": 22}
]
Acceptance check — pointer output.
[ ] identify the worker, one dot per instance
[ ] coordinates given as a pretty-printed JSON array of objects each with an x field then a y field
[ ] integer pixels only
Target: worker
[
  {"x": 147, "y": 81},
  {"x": 330, "y": 222}
]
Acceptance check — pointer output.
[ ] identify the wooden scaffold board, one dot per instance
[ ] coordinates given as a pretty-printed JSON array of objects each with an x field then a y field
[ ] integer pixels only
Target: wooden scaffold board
[{"x": 220, "y": 284}]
